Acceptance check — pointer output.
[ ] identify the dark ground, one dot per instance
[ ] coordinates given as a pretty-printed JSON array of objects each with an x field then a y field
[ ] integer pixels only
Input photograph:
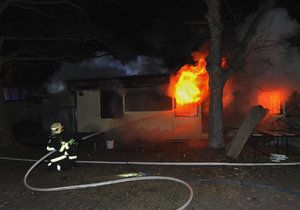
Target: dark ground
[{"x": 271, "y": 187}]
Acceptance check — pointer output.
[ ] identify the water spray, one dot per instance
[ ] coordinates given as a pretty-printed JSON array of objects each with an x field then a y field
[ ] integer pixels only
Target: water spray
[{"x": 126, "y": 124}]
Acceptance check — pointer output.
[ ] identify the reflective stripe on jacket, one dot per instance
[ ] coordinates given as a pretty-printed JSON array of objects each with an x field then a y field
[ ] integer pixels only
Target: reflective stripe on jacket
[
  {"x": 73, "y": 157},
  {"x": 58, "y": 158},
  {"x": 64, "y": 146},
  {"x": 50, "y": 148}
]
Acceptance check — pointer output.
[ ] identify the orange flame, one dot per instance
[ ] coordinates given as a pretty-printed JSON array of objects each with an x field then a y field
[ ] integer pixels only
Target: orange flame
[
  {"x": 273, "y": 100},
  {"x": 190, "y": 84}
]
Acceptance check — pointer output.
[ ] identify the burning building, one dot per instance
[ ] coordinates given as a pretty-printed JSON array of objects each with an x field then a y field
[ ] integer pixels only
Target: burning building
[
  {"x": 150, "y": 107},
  {"x": 163, "y": 106},
  {"x": 136, "y": 107}
]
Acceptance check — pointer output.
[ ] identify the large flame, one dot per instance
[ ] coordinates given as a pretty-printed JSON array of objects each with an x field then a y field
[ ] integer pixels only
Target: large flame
[
  {"x": 190, "y": 84},
  {"x": 273, "y": 100}
]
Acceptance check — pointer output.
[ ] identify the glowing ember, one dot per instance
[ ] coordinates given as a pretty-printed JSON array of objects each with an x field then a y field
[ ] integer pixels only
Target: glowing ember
[
  {"x": 272, "y": 100},
  {"x": 190, "y": 84}
]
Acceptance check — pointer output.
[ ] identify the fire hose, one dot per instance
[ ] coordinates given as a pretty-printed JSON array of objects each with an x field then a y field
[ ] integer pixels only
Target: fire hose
[
  {"x": 132, "y": 179},
  {"x": 110, "y": 182}
]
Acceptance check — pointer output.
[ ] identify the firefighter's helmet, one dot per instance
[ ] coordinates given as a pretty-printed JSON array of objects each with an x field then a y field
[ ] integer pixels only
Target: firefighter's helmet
[{"x": 56, "y": 128}]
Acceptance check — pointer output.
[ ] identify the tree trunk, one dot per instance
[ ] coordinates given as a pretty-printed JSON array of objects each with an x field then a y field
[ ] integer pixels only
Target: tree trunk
[
  {"x": 216, "y": 76},
  {"x": 215, "y": 121}
]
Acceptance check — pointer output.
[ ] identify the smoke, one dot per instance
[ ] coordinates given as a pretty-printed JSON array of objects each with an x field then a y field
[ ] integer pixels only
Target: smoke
[
  {"x": 276, "y": 25},
  {"x": 104, "y": 67},
  {"x": 272, "y": 62}
]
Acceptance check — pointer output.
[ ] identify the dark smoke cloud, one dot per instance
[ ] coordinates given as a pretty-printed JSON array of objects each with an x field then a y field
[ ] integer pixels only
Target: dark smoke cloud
[
  {"x": 272, "y": 59},
  {"x": 104, "y": 67},
  {"x": 272, "y": 62}
]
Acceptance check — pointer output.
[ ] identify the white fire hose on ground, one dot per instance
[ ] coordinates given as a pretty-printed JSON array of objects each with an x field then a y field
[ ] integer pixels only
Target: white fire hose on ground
[
  {"x": 131, "y": 179},
  {"x": 97, "y": 184}
]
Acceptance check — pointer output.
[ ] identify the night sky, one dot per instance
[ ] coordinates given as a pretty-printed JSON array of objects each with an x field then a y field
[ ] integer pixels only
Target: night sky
[{"x": 124, "y": 29}]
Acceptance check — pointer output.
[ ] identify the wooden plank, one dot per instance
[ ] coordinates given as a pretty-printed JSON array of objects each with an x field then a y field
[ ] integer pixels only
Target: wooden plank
[{"x": 256, "y": 114}]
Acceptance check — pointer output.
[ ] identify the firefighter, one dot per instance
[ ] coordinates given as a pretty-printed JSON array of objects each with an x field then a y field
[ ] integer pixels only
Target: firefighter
[
  {"x": 65, "y": 154},
  {"x": 72, "y": 152}
]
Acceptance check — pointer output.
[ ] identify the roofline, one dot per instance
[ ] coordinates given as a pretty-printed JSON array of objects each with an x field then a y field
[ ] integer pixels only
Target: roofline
[{"x": 121, "y": 81}]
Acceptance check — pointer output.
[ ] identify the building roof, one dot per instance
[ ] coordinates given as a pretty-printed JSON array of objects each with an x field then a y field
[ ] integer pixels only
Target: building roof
[{"x": 123, "y": 81}]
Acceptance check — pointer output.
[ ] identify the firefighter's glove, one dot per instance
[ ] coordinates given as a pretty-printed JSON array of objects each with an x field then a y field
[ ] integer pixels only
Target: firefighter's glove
[{"x": 71, "y": 141}]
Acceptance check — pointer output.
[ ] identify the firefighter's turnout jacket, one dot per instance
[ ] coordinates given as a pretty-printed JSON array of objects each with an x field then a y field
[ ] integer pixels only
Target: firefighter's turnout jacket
[{"x": 65, "y": 154}]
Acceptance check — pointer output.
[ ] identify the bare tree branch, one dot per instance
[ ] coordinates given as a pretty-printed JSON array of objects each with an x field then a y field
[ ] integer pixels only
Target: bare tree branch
[
  {"x": 15, "y": 57},
  {"x": 261, "y": 41},
  {"x": 20, "y": 52},
  {"x": 261, "y": 48},
  {"x": 124, "y": 5},
  {"x": 202, "y": 22},
  {"x": 103, "y": 38},
  {"x": 37, "y": 10},
  {"x": 39, "y": 38},
  {"x": 239, "y": 55},
  {"x": 4, "y": 6},
  {"x": 1, "y": 43},
  {"x": 231, "y": 12},
  {"x": 57, "y": 2}
]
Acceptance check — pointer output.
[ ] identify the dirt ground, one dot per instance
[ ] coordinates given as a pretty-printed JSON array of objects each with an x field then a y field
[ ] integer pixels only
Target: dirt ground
[{"x": 215, "y": 187}]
